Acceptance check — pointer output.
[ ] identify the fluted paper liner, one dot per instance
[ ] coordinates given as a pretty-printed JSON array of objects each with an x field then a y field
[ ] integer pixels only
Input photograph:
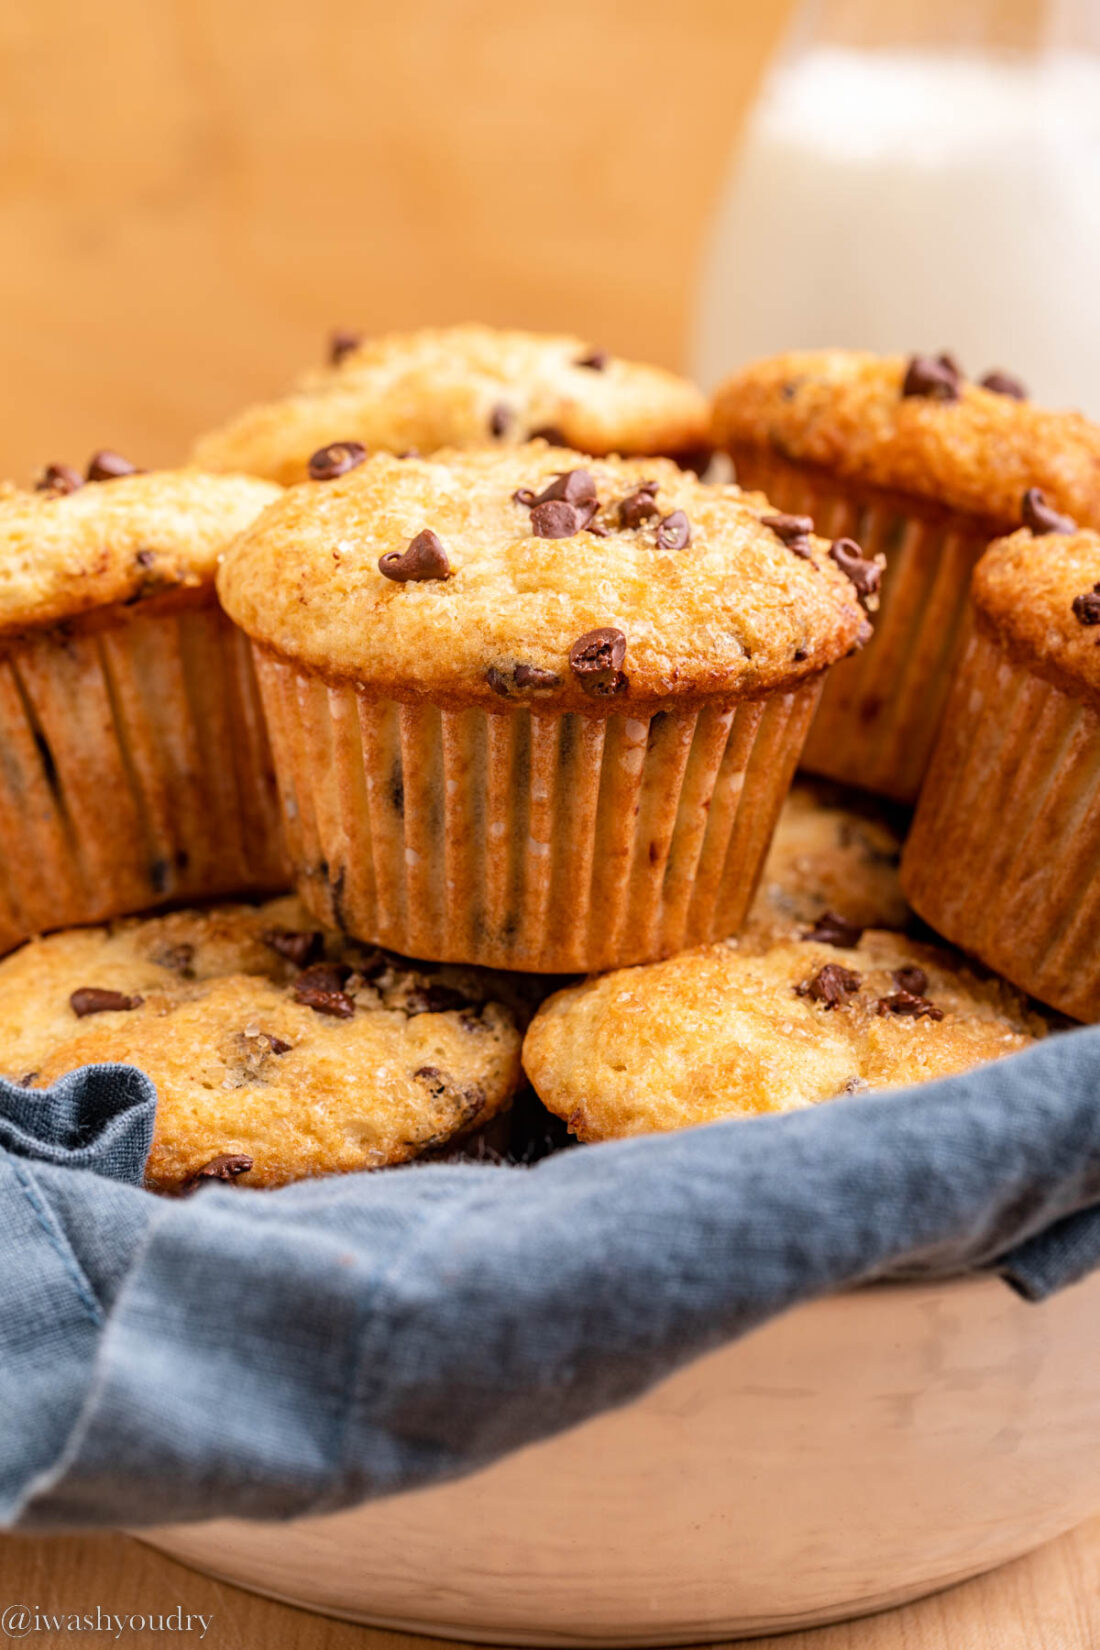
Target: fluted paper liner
[
  {"x": 522, "y": 839},
  {"x": 134, "y": 770},
  {"x": 880, "y": 709},
  {"x": 1005, "y": 845}
]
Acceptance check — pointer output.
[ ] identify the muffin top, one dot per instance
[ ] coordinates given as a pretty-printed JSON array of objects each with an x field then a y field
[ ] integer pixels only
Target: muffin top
[
  {"x": 277, "y": 1051},
  {"x": 915, "y": 426},
  {"x": 63, "y": 552},
  {"x": 760, "y": 1025},
  {"x": 1040, "y": 594},
  {"x": 463, "y": 387},
  {"x": 533, "y": 575},
  {"x": 833, "y": 852}
]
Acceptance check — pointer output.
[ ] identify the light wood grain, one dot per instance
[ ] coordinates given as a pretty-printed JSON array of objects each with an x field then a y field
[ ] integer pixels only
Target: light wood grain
[
  {"x": 193, "y": 192},
  {"x": 1048, "y": 1601}
]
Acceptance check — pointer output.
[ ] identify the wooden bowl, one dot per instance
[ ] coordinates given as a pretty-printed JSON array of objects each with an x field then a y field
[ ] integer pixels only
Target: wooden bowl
[{"x": 851, "y": 1455}]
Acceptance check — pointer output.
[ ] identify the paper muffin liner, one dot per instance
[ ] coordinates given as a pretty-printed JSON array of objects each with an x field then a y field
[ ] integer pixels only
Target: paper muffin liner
[
  {"x": 1004, "y": 847},
  {"x": 134, "y": 769},
  {"x": 527, "y": 839},
  {"x": 877, "y": 721}
]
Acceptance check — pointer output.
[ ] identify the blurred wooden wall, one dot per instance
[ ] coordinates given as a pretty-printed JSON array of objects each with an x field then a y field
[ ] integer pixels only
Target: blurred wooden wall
[{"x": 192, "y": 192}]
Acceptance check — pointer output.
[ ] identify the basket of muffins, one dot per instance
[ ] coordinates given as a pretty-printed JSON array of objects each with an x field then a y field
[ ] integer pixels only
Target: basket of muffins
[{"x": 416, "y": 769}]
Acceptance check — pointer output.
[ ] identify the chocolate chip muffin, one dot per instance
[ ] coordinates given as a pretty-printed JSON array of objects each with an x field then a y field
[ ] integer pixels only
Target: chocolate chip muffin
[
  {"x": 834, "y": 850},
  {"x": 752, "y": 1026},
  {"x": 533, "y": 711},
  {"x": 134, "y": 766},
  {"x": 925, "y": 469},
  {"x": 466, "y": 386},
  {"x": 277, "y": 1051},
  {"x": 1005, "y": 844}
]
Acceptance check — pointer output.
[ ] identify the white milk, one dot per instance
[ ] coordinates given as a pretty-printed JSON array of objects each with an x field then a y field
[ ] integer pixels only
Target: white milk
[{"x": 902, "y": 201}]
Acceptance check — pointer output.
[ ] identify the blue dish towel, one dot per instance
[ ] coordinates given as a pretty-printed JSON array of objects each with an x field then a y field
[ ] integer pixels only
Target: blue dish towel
[{"x": 276, "y": 1354}]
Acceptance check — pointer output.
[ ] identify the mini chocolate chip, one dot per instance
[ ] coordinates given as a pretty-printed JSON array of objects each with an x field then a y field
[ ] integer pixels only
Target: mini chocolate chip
[
  {"x": 108, "y": 466},
  {"x": 1003, "y": 383},
  {"x": 639, "y": 506},
  {"x": 425, "y": 558},
  {"x": 598, "y": 652},
  {"x": 1086, "y": 608},
  {"x": 674, "y": 532},
  {"x": 498, "y": 681},
  {"x": 500, "y": 420},
  {"x": 834, "y": 985},
  {"x": 799, "y": 655},
  {"x": 830, "y": 929},
  {"x": 341, "y": 343},
  {"x": 59, "y": 479},
  {"x": 336, "y": 460},
  {"x": 145, "y": 558},
  {"x": 865, "y": 575},
  {"x": 557, "y": 520},
  {"x": 911, "y": 979},
  {"x": 91, "y": 999},
  {"x": 790, "y": 529},
  {"x": 569, "y": 486},
  {"x": 910, "y": 1004},
  {"x": 550, "y": 434},
  {"x": 227, "y": 1167},
  {"x": 595, "y": 362},
  {"x": 934, "y": 376},
  {"x": 793, "y": 530},
  {"x": 435, "y": 999},
  {"x": 337, "y": 1004},
  {"x": 276, "y": 1044},
  {"x": 298, "y": 947},
  {"x": 534, "y": 677},
  {"x": 1037, "y": 514}
]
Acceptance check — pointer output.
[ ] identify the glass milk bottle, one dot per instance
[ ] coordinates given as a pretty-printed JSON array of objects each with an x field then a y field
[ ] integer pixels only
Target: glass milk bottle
[{"x": 919, "y": 175}]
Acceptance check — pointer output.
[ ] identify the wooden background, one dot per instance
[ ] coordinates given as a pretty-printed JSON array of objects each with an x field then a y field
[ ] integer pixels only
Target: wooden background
[{"x": 192, "y": 192}]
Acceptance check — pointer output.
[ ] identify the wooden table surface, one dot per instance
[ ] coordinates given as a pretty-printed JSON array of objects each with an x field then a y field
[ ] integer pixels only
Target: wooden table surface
[{"x": 1048, "y": 1601}]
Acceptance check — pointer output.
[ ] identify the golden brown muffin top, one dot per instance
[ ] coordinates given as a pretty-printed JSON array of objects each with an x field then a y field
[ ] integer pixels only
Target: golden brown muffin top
[
  {"x": 833, "y": 851},
  {"x": 1040, "y": 595},
  {"x": 436, "y": 577},
  {"x": 63, "y": 553},
  {"x": 284, "y": 1050},
  {"x": 764, "y": 1024},
  {"x": 463, "y": 386},
  {"x": 966, "y": 448}
]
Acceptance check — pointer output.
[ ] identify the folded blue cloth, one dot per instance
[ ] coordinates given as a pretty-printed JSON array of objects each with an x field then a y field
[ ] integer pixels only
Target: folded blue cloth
[{"x": 282, "y": 1353}]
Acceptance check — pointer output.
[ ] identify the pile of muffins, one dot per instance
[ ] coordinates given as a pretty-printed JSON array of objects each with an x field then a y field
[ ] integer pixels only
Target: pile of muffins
[{"x": 468, "y": 642}]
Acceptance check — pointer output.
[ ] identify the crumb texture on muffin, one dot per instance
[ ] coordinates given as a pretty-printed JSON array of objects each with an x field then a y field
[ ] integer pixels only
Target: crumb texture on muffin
[
  {"x": 463, "y": 387},
  {"x": 266, "y": 1039},
  {"x": 691, "y": 595},
  {"x": 844, "y": 411},
  {"x": 763, "y": 1024},
  {"x": 1040, "y": 597},
  {"x": 834, "y": 851},
  {"x": 117, "y": 541}
]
